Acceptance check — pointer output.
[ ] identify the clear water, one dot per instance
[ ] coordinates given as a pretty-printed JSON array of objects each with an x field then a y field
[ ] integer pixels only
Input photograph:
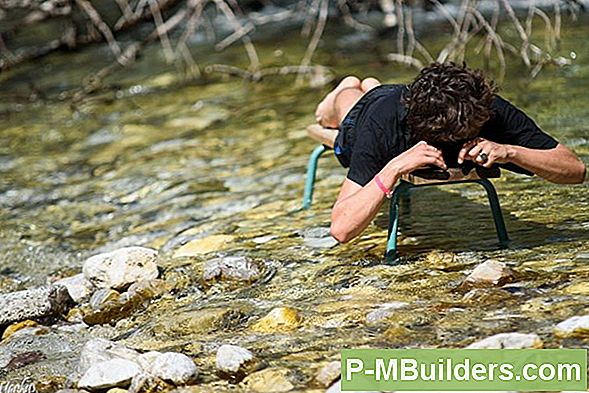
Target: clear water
[{"x": 157, "y": 161}]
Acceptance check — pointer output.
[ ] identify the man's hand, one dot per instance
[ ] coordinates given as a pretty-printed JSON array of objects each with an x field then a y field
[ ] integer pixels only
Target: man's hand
[
  {"x": 419, "y": 156},
  {"x": 484, "y": 152}
]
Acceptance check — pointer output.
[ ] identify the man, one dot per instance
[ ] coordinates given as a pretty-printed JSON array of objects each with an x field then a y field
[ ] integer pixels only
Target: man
[{"x": 387, "y": 131}]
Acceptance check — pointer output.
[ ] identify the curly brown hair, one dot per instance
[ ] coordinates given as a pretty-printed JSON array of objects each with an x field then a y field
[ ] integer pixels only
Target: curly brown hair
[{"x": 448, "y": 103}]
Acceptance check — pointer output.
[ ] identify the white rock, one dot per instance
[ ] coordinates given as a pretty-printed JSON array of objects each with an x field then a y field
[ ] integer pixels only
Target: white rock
[
  {"x": 490, "y": 273},
  {"x": 329, "y": 373},
  {"x": 231, "y": 357},
  {"x": 173, "y": 367},
  {"x": 575, "y": 326},
  {"x": 100, "y": 350},
  {"x": 145, "y": 360},
  {"x": 101, "y": 296},
  {"x": 232, "y": 268},
  {"x": 121, "y": 268},
  {"x": 6, "y": 356},
  {"x": 140, "y": 382},
  {"x": 109, "y": 374},
  {"x": 318, "y": 237},
  {"x": 77, "y": 286},
  {"x": 384, "y": 311},
  {"x": 508, "y": 341}
]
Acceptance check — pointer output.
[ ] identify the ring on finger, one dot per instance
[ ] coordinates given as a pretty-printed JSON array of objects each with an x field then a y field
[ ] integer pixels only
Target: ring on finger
[{"x": 483, "y": 157}]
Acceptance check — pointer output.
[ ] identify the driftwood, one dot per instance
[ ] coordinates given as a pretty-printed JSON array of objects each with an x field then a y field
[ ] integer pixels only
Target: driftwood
[{"x": 173, "y": 22}]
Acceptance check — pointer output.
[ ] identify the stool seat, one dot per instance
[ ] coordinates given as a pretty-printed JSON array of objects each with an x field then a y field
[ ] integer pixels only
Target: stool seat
[{"x": 421, "y": 178}]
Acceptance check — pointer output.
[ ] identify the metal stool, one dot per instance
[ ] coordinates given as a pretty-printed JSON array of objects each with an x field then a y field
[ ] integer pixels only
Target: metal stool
[{"x": 402, "y": 190}]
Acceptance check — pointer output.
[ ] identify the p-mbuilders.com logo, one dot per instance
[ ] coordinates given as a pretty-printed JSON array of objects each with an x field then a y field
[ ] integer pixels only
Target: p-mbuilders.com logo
[{"x": 464, "y": 369}]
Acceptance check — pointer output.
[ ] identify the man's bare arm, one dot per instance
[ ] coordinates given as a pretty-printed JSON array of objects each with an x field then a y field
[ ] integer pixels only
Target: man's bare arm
[
  {"x": 356, "y": 206},
  {"x": 558, "y": 165}
]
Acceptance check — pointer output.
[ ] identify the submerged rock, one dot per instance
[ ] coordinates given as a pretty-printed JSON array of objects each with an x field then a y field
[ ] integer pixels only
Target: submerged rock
[
  {"x": 146, "y": 368},
  {"x": 201, "y": 321},
  {"x": 38, "y": 303},
  {"x": 489, "y": 273},
  {"x": 102, "y": 296},
  {"x": 109, "y": 374},
  {"x": 508, "y": 341},
  {"x": 329, "y": 373},
  {"x": 77, "y": 286},
  {"x": 234, "y": 362},
  {"x": 278, "y": 320},
  {"x": 318, "y": 237},
  {"x": 108, "y": 306},
  {"x": 573, "y": 327},
  {"x": 172, "y": 367},
  {"x": 120, "y": 268},
  {"x": 100, "y": 350},
  {"x": 269, "y": 380},
  {"x": 231, "y": 268},
  {"x": 203, "y": 246},
  {"x": 384, "y": 311}
]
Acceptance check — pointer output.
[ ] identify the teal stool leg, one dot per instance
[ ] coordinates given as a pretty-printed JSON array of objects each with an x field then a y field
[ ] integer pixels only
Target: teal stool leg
[
  {"x": 311, "y": 172},
  {"x": 402, "y": 190},
  {"x": 496, "y": 210}
]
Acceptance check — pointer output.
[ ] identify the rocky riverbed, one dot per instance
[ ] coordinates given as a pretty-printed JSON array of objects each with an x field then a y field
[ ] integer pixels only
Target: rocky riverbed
[{"x": 152, "y": 237}]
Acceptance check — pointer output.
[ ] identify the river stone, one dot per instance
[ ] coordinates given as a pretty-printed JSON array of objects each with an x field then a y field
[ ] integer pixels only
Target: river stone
[
  {"x": 140, "y": 382},
  {"x": 230, "y": 268},
  {"x": 201, "y": 321},
  {"x": 120, "y": 268},
  {"x": 15, "y": 327},
  {"x": 280, "y": 319},
  {"x": 264, "y": 239},
  {"x": 145, "y": 360},
  {"x": 329, "y": 373},
  {"x": 38, "y": 303},
  {"x": 205, "y": 245},
  {"x": 318, "y": 237},
  {"x": 573, "y": 327},
  {"x": 231, "y": 357},
  {"x": 70, "y": 391},
  {"x": 234, "y": 362},
  {"x": 384, "y": 311},
  {"x": 5, "y": 356},
  {"x": 508, "y": 341},
  {"x": 109, "y": 374},
  {"x": 489, "y": 273},
  {"x": 118, "y": 390},
  {"x": 110, "y": 307},
  {"x": 172, "y": 367},
  {"x": 100, "y": 350},
  {"x": 581, "y": 288},
  {"x": 102, "y": 296},
  {"x": 77, "y": 286},
  {"x": 269, "y": 380}
]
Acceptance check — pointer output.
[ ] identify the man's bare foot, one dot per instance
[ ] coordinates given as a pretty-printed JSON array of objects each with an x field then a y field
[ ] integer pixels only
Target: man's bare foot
[
  {"x": 369, "y": 83},
  {"x": 326, "y": 114},
  {"x": 325, "y": 136}
]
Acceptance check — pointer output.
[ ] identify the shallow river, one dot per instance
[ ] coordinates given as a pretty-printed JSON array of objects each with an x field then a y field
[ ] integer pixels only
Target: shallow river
[{"x": 199, "y": 169}]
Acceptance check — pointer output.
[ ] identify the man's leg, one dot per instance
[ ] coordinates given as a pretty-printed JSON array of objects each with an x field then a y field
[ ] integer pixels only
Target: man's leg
[
  {"x": 339, "y": 101},
  {"x": 369, "y": 83},
  {"x": 346, "y": 98}
]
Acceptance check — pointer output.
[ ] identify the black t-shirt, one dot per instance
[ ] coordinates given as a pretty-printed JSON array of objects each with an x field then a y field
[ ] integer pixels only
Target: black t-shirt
[{"x": 380, "y": 131}]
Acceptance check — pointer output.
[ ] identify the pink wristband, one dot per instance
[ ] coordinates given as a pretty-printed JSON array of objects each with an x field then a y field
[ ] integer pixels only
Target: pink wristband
[{"x": 388, "y": 193}]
